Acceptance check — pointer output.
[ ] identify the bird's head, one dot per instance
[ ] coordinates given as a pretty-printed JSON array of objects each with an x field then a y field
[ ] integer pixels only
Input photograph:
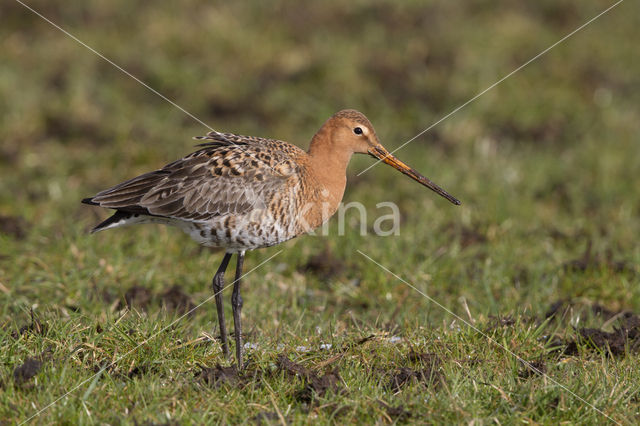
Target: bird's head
[{"x": 349, "y": 130}]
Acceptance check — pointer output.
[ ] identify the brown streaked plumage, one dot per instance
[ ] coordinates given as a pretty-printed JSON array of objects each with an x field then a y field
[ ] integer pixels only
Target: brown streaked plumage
[{"x": 242, "y": 193}]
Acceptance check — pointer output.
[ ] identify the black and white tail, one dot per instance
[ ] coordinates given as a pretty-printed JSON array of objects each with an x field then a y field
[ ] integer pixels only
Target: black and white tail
[{"x": 119, "y": 218}]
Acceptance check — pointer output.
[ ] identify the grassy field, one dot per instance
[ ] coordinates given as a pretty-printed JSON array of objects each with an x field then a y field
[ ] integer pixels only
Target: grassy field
[{"x": 540, "y": 264}]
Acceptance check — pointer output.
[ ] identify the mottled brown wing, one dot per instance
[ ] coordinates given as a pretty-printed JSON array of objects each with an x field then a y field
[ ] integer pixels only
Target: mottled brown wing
[{"x": 229, "y": 175}]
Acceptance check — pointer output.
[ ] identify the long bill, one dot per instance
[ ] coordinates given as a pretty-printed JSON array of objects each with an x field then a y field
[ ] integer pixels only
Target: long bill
[{"x": 385, "y": 156}]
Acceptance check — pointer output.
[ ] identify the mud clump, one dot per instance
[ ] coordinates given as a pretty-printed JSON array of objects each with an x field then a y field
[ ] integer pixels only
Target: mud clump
[
  {"x": 497, "y": 322},
  {"x": 14, "y": 226},
  {"x": 266, "y": 418},
  {"x": 319, "y": 386},
  {"x": 324, "y": 265},
  {"x": 616, "y": 342},
  {"x": 470, "y": 237},
  {"x": 35, "y": 327},
  {"x": 589, "y": 261},
  {"x": 315, "y": 385},
  {"x": 558, "y": 309},
  {"x": 425, "y": 358},
  {"x": 174, "y": 299},
  {"x": 137, "y": 371},
  {"x": 427, "y": 373},
  {"x": 404, "y": 376},
  {"x": 625, "y": 337},
  {"x": 532, "y": 368},
  {"x": 219, "y": 375},
  {"x": 26, "y": 371},
  {"x": 397, "y": 413},
  {"x": 467, "y": 236},
  {"x": 137, "y": 297}
]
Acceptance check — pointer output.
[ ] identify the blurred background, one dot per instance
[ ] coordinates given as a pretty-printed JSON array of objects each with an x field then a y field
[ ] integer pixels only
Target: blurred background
[{"x": 546, "y": 164}]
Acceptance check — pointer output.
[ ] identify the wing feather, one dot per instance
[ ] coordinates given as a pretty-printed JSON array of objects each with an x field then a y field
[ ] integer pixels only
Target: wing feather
[{"x": 229, "y": 174}]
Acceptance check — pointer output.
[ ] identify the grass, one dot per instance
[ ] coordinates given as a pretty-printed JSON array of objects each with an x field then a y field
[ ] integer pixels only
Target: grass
[{"x": 542, "y": 257}]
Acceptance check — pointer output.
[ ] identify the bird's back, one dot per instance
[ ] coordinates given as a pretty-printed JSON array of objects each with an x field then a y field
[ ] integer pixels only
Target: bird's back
[{"x": 237, "y": 192}]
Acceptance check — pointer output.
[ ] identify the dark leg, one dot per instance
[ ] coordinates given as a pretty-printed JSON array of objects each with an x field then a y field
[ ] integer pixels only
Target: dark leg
[
  {"x": 236, "y": 304},
  {"x": 218, "y": 286}
]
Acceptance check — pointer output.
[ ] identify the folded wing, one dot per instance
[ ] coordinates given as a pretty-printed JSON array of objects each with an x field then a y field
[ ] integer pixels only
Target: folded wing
[{"x": 229, "y": 174}]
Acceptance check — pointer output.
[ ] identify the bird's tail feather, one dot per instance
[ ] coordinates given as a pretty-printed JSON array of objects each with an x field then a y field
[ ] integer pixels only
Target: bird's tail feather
[{"x": 119, "y": 218}]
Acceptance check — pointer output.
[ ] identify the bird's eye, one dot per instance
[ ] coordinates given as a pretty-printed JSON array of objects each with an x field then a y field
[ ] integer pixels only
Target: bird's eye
[{"x": 357, "y": 130}]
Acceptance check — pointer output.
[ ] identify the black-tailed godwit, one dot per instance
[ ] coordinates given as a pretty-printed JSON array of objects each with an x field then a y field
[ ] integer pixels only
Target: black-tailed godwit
[{"x": 242, "y": 193}]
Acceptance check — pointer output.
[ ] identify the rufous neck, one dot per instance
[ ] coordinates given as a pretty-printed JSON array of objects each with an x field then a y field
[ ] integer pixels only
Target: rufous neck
[
  {"x": 329, "y": 163},
  {"x": 325, "y": 149}
]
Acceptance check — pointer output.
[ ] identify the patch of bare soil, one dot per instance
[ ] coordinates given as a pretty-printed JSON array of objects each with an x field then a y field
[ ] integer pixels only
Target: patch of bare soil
[
  {"x": 315, "y": 385},
  {"x": 561, "y": 309},
  {"x": 325, "y": 265},
  {"x": 616, "y": 342},
  {"x": 398, "y": 378},
  {"x": 396, "y": 413},
  {"x": 31, "y": 366},
  {"x": 532, "y": 369},
  {"x": 343, "y": 351},
  {"x": 118, "y": 371},
  {"x": 590, "y": 261},
  {"x": 424, "y": 358},
  {"x": 14, "y": 226},
  {"x": 137, "y": 371},
  {"x": 624, "y": 337},
  {"x": 425, "y": 369},
  {"x": 219, "y": 375},
  {"x": 137, "y": 297},
  {"x": 558, "y": 310},
  {"x": 26, "y": 371},
  {"x": 35, "y": 327},
  {"x": 467, "y": 235},
  {"x": 496, "y": 322},
  {"x": 175, "y": 299},
  {"x": 266, "y": 418},
  {"x": 470, "y": 236}
]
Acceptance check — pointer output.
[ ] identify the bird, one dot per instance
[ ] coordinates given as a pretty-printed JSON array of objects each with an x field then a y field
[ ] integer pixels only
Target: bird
[{"x": 242, "y": 193}]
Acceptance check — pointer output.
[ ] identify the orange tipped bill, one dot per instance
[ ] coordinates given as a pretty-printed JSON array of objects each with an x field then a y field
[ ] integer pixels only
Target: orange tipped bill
[{"x": 385, "y": 156}]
